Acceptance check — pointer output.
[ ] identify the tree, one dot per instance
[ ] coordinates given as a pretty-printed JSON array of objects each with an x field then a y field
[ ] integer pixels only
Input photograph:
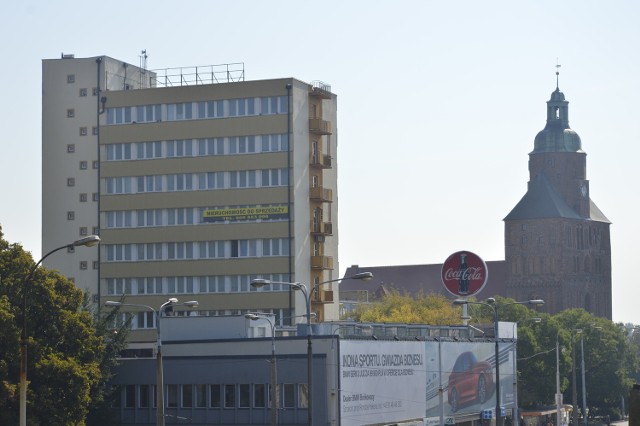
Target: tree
[
  {"x": 432, "y": 309},
  {"x": 68, "y": 356}
]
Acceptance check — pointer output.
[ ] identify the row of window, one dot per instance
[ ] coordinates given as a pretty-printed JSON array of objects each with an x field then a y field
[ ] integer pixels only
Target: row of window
[
  {"x": 147, "y": 319},
  {"x": 197, "y": 147},
  {"x": 190, "y": 284},
  {"x": 217, "y": 396},
  {"x": 198, "y": 181},
  {"x": 198, "y": 110},
  {"x": 163, "y": 217},
  {"x": 193, "y": 250}
]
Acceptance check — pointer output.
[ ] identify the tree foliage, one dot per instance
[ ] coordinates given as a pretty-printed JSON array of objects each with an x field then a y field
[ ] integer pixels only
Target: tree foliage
[
  {"x": 69, "y": 353},
  {"x": 432, "y": 309}
]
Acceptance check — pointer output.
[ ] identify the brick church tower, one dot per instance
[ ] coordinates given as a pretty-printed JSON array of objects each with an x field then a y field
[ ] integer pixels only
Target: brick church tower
[{"x": 557, "y": 244}]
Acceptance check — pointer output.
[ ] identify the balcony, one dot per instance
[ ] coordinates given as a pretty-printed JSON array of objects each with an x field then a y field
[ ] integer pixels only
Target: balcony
[
  {"x": 320, "y": 126},
  {"x": 318, "y": 193},
  {"x": 320, "y": 89},
  {"x": 323, "y": 296},
  {"x": 322, "y": 228},
  {"x": 321, "y": 160},
  {"x": 321, "y": 262}
]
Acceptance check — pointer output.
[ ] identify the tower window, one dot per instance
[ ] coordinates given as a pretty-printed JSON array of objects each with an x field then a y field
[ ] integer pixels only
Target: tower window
[{"x": 71, "y": 78}]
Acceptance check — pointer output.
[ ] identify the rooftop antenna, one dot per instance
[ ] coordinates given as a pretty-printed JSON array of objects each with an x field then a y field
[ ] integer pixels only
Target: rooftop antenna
[
  {"x": 557, "y": 74},
  {"x": 143, "y": 68}
]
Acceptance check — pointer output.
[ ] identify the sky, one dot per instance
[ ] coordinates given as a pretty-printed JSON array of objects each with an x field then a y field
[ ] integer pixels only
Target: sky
[{"x": 438, "y": 105}]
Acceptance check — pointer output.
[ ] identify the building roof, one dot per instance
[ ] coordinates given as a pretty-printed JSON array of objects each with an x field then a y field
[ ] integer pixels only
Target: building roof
[
  {"x": 417, "y": 279},
  {"x": 541, "y": 201}
]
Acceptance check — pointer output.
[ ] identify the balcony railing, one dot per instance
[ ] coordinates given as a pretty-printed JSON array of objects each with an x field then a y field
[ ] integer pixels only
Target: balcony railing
[
  {"x": 318, "y": 193},
  {"x": 320, "y": 126},
  {"x": 321, "y": 160},
  {"x": 321, "y": 262},
  {"x": 324, "y": 228}
]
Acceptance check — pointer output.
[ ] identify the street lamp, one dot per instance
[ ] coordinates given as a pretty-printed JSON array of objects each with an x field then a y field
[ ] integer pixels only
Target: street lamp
[
  {"x": 159, "y": 370},
  {"x": 491, "y": 302},
  {"x": 584, "y": 385},
  {"x": 574, "y": 399},
  {"x": 274, "y": 371},
  {"x": 558, "y": 394},
  {"x": 260, "y": 282},
  {"x": 89, "y": 241}
]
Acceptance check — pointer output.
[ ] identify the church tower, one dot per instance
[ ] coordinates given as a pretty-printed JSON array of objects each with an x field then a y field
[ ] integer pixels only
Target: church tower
[{"x": 557, "y": 244}]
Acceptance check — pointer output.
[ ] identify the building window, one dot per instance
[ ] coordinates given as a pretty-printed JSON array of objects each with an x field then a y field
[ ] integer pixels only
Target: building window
[
  {"x": 288, "y": 400},
  {"x": 143, "y": 396},
  {"x": 259, "y": 400},
  {"x": 95, "y": 164},
  {"x": 215, "y": 396},
  {"x": 130, "y": 396},
  {"x": 96, "y": 230},
  {"x": 201, "y": 396},
  {"x": 94, "y": 130},
  {"x": 187, "y": 396},
  {"x": 96, "y": 264},
  {"x": 83, "y": 264},
  {"x": 83, "y": 131},
  {"x": 71, "y": 113},
  {"x": 71, "y": 215},
  {"x": 245, "y": 396},
  {"x": 83, "y": 165},
  {"x": 229, "y": 396},
  {"x": 71, "y": 148},
  {"x": 95, "y": 196},
  {"x": 83, "y": 92},
  {"x": 83, "y": 230},
  {"x": 71, "y": 78},
  {"x": 71, "y": 182},
  {"x": 303, "y": 395},
  {"x": 94, "y": 91},
  {"x": 172, "y": 396}
]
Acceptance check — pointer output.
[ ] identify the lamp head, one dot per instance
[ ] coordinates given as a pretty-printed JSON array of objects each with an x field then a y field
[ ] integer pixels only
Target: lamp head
[
  {"x": 491, "y": 300},
  {"x": 191, "y": 303},
  {"x": 364, "y": 276},
  {"x": 259, "y": 282},
  {"x": 460, "y": 302},
  {"x": 112, "y": 303},
  {"x": 536, "y": 302},
  {"x": 89, "y": 241},
  {"x": 252, "y": 317},
  {"x": 172, "y": 300}
]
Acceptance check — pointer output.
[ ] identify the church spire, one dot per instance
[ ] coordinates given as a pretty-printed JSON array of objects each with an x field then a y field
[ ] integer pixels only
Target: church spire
[{"x": 558, "y": 74}]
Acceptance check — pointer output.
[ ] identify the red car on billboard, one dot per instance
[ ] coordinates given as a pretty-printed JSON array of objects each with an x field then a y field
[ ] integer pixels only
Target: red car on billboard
[{"x": 470, "y": 381}]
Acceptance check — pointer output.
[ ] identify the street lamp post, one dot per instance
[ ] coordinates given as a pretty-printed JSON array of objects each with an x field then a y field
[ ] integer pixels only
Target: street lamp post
[
  {"x": 491, "y": 302},
  {"x": 260, "y": 282},
  {"x": 558, "y": 394},
  {"x": 159, "y": 369},
  {"x": 89, "y": 241},
  {"x": 274, "y": 372},
  {"x": 584, "y": 383},
  {"x": 574, "y": 393}
]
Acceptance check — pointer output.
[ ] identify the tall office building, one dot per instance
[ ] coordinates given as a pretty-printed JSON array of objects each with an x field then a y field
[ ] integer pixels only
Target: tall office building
[{"x": 197, "y": 182}]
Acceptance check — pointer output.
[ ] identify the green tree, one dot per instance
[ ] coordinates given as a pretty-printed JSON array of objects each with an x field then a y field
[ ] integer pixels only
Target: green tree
[
  {"x": 68, "y": 356},
  {"x": 432, "y": 309}
]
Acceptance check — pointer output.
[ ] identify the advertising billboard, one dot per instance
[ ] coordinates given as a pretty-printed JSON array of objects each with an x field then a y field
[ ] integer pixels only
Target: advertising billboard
[
  {"x": 381, "y": 381},
  {"x": 468, "y": 377},
  {"x": 246, "y": 213}
]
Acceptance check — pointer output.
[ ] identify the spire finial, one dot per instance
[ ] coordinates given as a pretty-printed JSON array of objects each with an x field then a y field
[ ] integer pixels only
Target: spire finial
[{"x": 558, "y": 74}]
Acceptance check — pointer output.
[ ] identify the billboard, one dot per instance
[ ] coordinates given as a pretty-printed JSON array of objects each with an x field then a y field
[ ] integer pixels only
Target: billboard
[
  {"x": 381, "y": 381},
  {"x": 246, "y": 213},
  {"x": 393, "y": 381},
  {"x": 466, "y": 372}
]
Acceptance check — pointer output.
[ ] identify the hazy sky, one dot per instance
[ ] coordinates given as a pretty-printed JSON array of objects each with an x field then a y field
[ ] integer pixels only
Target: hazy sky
[{"x": 438, "y": 105}]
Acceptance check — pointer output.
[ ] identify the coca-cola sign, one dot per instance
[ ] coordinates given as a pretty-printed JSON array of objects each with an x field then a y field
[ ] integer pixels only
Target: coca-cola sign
[{"x": 464, "y": 273}]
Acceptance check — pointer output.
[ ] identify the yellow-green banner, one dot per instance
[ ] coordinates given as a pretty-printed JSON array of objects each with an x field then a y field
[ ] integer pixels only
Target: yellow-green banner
[{"x": 246, "y": 213}]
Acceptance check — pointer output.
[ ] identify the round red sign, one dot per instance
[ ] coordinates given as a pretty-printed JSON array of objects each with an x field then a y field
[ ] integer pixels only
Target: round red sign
[{"x": 464, "y": 273}]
